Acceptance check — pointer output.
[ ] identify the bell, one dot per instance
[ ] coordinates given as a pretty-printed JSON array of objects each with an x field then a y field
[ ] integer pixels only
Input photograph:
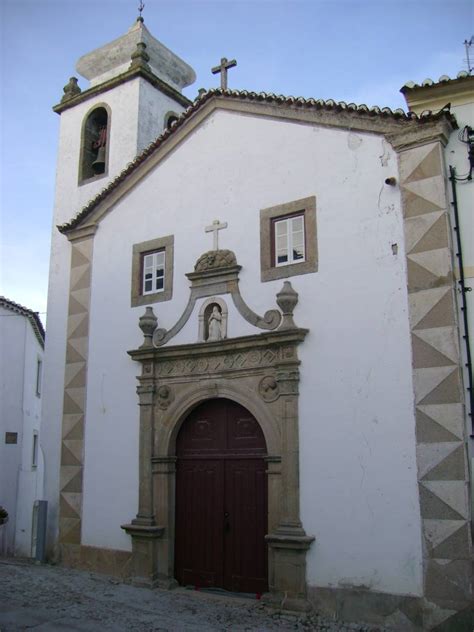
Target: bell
[{"x": 99, "y": 163}]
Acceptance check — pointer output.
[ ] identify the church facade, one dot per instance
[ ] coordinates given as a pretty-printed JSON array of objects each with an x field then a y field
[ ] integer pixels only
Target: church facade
[{"x": 252, "y": 365}]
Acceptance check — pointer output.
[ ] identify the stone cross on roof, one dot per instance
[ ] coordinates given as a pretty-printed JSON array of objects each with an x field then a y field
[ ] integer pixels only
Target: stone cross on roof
[
  {"x": 214, "y": 228},
  {"x": 223, "y": 68}
]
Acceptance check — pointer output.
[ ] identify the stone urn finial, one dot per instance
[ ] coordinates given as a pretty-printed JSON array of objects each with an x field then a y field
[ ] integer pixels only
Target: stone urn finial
[
  {"x": 71, "y": 89},
  {"x": 148, "y": 323},
  {"x": 287, "y": 299},
  {"x": 140, "y": 57}
]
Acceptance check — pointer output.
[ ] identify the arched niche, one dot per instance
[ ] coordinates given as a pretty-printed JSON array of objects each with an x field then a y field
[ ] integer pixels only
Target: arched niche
[
  {"x": 95, "y": 133},
  {"x": 205, "y": 314}
]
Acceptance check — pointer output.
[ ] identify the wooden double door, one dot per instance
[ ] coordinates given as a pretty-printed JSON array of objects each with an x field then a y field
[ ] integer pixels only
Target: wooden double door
[{"x": 221, "y": 499}]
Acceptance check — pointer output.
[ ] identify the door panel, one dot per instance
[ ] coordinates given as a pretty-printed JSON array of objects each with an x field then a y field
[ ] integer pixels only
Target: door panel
[
  {"x": 221, "y": 499},
  {"x": 199, "y": 511},
  {"x": 245, "y": 563}
]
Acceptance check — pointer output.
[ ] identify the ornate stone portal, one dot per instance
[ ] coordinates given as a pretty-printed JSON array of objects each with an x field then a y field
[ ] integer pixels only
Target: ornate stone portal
[{"x": 260, "y": 372}]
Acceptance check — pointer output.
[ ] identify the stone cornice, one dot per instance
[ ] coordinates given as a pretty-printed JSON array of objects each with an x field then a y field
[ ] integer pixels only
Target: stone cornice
[
  {"x": 133, "y": 73},
  {"x": 221, "y": 347},
  {"x": 83, "y": 232},
  {"x": 434, "y": 131}
]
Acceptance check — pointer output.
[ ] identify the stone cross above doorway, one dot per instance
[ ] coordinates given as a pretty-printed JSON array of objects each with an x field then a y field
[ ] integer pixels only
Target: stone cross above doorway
[
  {"x": 223, "y": 68},
  {"x": 214, "y": 228}
]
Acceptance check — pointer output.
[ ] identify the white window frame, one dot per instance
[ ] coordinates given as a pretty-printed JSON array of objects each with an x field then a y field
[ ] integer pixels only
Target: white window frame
[
  {"x": 39, "y": 376},
  {"x": 289, "y": 223},
  {"x": 156, "y": 264},
  {"x": 34, "y": 454}
]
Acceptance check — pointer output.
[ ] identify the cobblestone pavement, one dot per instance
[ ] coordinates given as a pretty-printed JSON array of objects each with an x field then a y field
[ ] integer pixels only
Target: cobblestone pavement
[{"x": 52, "y": 599}]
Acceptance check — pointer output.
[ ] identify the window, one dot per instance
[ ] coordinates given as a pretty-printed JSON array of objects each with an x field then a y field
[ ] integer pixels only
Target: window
[
  {"x": 34, "y": 456},
  {"x": 288, "y": 240},
  {"x": 39, "y": 376},
  {"x": 152, "y": 271},
  {"x": 288, "y": 245}
]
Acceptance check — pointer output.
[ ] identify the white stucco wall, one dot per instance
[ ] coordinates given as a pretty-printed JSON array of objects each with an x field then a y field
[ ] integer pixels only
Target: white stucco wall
[
  {"x": 20, "y": 412},
  {"x": 358, "y": 470}
]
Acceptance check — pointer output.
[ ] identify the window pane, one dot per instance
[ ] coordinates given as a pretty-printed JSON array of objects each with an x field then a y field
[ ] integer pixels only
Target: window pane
[
  {"x": 297, "y": 223},
  {"x": 281, "y": 227},
  {"x": 159, "y": 284},
  {"x": 148, "y": 286},
  {"x": 281, "y": 243},
  {"x": 148, "y": 261}
]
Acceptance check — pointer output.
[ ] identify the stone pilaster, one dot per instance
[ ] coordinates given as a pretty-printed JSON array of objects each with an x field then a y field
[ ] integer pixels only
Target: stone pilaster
[
  {"x": 164, "y": 474},
  {"x": 288, "y": 543},
  {"x": 143, "y": 529}
]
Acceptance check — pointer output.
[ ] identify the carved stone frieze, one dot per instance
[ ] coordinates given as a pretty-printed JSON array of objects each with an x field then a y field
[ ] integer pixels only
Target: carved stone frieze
[{"x": 218, "y": 363}]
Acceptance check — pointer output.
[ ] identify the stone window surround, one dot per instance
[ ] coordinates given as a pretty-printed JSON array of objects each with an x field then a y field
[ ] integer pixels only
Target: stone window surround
[
  {"x": 81, "y": 180},
  {"x": 269, "y": 271},
  {"x": 161, "y": 243}
]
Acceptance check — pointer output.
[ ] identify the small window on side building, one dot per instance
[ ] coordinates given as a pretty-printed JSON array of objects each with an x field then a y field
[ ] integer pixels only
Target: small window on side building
[
  {"x": 34, "y": 456},
  {"x": 39, "y": 376}
]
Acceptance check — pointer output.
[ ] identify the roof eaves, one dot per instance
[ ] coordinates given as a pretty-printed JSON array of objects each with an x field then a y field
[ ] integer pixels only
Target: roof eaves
[
  {"x": 118, "y": 80},
  {"x": 429, "y": 83},
  {"x": 270, "y": 98},
  {"x": 32, "y": 316}
]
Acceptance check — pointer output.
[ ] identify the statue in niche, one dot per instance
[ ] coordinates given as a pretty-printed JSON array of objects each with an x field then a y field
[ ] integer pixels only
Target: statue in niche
[{"x": 215, "y": 324}]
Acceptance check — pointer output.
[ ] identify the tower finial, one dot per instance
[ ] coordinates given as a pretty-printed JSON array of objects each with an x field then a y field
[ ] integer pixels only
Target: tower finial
[{"x": 141, "y": 6}]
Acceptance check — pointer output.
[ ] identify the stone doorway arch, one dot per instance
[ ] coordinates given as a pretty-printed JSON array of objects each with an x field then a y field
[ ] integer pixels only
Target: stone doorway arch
[{"x": 259, "y": 372}]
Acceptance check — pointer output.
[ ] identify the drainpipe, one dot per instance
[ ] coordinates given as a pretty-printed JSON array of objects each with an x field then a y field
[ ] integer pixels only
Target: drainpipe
[{"x": 463, "y": 291}]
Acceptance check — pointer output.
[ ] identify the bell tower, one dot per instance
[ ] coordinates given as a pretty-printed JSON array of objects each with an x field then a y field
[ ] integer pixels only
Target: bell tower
[{"x": 134, "y": 92}]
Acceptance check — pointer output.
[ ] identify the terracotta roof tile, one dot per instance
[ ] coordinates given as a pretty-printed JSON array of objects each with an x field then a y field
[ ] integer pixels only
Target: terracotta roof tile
[
  {"x": 32, "y": 316},
  {"x": 428, "y": 83}
]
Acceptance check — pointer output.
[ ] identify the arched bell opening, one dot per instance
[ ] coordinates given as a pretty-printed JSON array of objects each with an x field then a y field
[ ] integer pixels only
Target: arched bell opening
[
  {"x": 94, "y": 144},
  {"x": 221, "y": 515}
]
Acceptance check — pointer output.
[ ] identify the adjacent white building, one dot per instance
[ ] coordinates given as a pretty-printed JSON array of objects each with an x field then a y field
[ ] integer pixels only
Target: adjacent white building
[
  {"x": 299, "y": 365},
  {"x": 21, "y": 458}
]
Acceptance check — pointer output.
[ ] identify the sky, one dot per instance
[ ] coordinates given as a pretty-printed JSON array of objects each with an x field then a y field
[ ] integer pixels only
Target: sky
[{"x": 360, "y": 51}]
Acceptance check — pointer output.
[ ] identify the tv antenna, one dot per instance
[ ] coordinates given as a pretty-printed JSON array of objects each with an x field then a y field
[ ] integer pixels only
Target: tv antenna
[{"x": 468, "y": 45}]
